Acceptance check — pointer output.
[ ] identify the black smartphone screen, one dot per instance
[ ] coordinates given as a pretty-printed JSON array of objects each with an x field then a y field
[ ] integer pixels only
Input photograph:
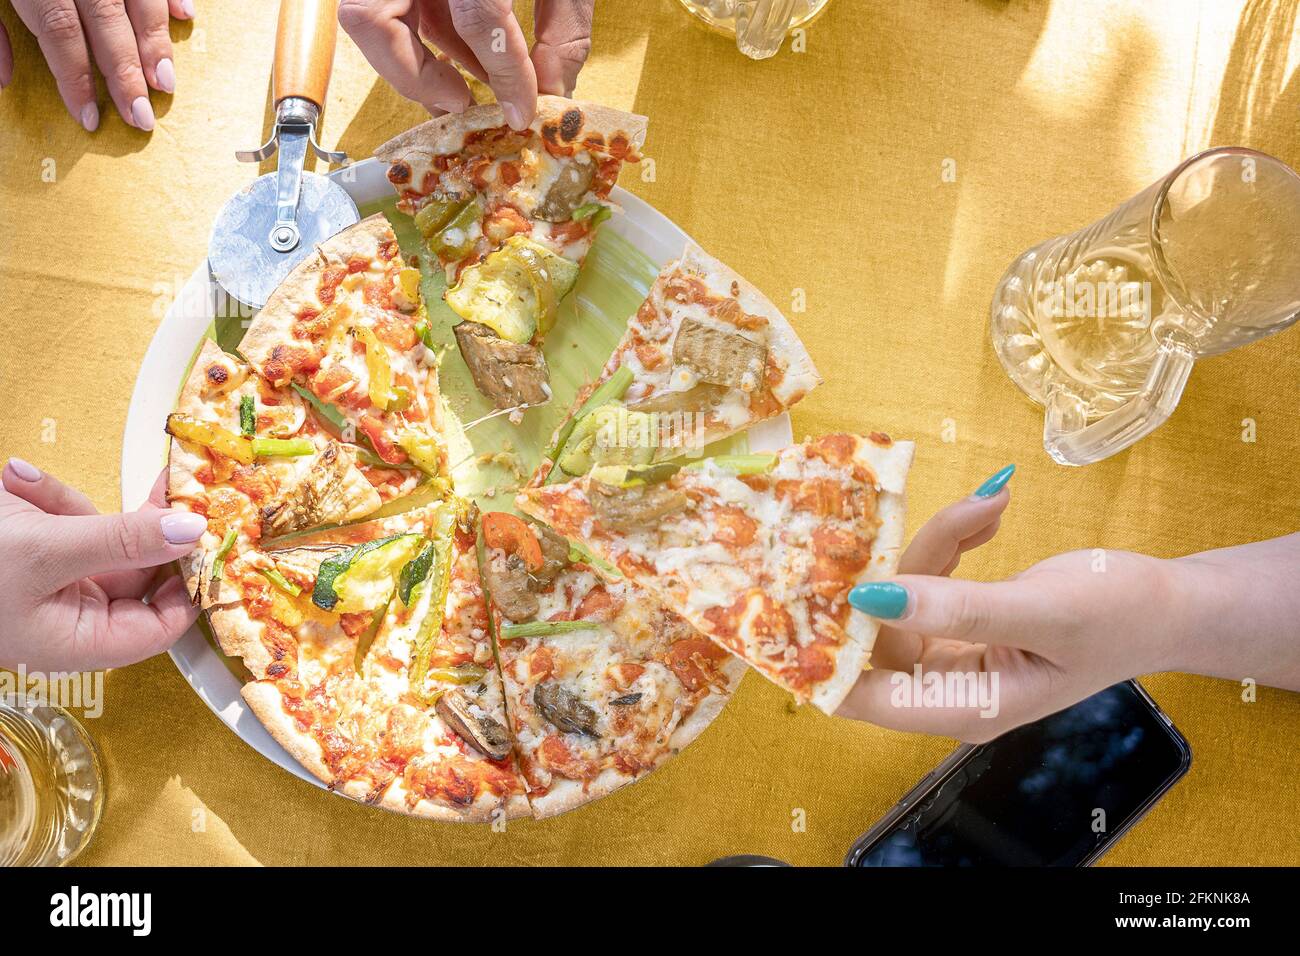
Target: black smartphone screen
[{"x": 1052, "y": 793}]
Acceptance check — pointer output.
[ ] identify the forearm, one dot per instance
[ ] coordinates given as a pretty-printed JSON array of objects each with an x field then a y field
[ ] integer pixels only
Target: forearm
[{"x": 1240, "y": 613}]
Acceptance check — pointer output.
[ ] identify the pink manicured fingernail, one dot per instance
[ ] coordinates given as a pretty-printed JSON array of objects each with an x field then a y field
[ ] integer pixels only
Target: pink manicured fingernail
[
  {"x": 165, "y": 74},
  {"x": 183, "y": 527},
  {"x": 90, "y": 117},
  {"x": 24, "y": 470},
  {"x": 187, "y": 8},
  {"x": 513, "y": 116},
  {"x": 142, "y": 113}
]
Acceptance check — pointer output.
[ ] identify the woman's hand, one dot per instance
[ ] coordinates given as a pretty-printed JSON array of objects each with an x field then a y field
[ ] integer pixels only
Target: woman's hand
[
  {"x": 128, "y": 39},
  {"x": 76, "y": 582},
  {"x": 484, "y": 37},
  {"x": 1065, "y": 628}
]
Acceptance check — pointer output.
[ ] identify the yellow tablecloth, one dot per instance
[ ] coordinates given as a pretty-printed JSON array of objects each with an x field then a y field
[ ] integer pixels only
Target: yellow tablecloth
[{"x": 816, "y": 173}]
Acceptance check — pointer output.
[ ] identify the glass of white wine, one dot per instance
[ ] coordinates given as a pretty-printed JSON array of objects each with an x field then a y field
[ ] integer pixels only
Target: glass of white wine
[
  {"x": 1101, "y": 326},
  {"x": 759, "y": 26},
  {"x": 51, "y": 784}
]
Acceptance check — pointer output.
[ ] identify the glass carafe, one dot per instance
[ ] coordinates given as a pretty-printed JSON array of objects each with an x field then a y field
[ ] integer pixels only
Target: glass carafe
[
  {"x": 1101, "y": 326},
  {"x": 759, "y": 26}
]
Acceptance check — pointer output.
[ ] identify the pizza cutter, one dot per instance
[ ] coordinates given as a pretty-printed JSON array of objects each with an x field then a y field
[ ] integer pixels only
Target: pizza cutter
[{"x": 268, "y": 227}]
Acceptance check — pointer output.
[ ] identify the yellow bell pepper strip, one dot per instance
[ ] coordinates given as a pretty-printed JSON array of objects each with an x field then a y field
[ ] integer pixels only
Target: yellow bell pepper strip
[
  {"x": 453, "y": 241},
  {"x": 379, "y": 369},
  {"x": 546, "y": 628},
  {"x": 247, "y": 417},
  {"x": 422, "y": 449},
  {"x": 434, "y": 215},
  {"x": 755, "y": 464},
  {"x": 610, "y": 390},
  {"x": 595, "y": 211},
  {"x": 210, "y": 435},
  {"x": 219, "y": 562},
  {"x": 367, "y": 637},
  {"x": 282, "y": 447},
  {"x": 439, "y": 582},
  {"x": 535, "y": 268},
  {"x": 460, "y": 674}
]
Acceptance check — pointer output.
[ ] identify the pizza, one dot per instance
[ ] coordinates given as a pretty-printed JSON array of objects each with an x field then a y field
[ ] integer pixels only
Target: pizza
[
  {"x": 705, "y": 356},
  {"x": 603, "y": 683},
  {"x": 343, "y": 327},
  {"x": 418, "y": 655},
  {"x": 509, "y": 217},
  {"x": 757, "y": 552}
]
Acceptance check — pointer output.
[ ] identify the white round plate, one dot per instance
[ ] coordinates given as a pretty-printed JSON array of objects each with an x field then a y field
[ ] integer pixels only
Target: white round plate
[{"x": 144, "y": 445}]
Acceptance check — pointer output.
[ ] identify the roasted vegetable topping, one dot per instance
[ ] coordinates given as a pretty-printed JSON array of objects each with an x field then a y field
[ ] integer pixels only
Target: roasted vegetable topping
[
  {"x": 720, "y": 356},
  {"x": 210, "y": 435},
  {"x": 468, "y": 720},
  {"x": 564, "y": 710},
  {"x": 636, "y": 507}
]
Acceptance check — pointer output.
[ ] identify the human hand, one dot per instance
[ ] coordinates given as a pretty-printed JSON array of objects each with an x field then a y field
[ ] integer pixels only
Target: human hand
[
  {"x": 128, "y": 39},
  {"x": 1053, "y": 635},
  {"x": 76, "y": 582},
  {"x": 484, "y": 37}
]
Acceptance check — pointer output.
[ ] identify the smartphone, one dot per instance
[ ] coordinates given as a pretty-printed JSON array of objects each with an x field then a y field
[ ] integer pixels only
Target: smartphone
[{"x": 1057, "y": 792}]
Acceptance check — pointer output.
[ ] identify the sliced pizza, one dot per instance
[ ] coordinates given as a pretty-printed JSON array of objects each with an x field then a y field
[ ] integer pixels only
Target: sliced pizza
[
  {"x": 258, "y": 463},
  {"x": 603, "y": 683},
  {"x": 758, "y": 552},
  {"x": 373, "y": 663},
  {"x": 705, "y": 356},
  {"x": 509, "y": 216},
  {"x": 344, "y": 327}
]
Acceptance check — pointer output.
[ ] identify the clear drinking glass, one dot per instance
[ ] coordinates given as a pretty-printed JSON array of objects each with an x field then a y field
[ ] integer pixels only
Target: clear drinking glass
[
  {"x": 1102, "y": 326},
  {"x": 51, "y": 784},
  {"x": 759, "y": 26}
]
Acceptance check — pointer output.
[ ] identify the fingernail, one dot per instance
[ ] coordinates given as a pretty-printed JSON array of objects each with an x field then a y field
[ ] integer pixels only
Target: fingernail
[
  {"x": 24, "y": 470},
  {"x": 996, "y": 483},
  {"x": 183, "y": 527},
  {"x": 165, "y": 74},
  {"x": 90, "y": 117},
  {"x": 880, "y": 599},
  {"x": 451, "y": 106},
  {"x": 142, "y": 113},
  {"x": 187, "y": 8},
  {"x": 513, "y": 116}
]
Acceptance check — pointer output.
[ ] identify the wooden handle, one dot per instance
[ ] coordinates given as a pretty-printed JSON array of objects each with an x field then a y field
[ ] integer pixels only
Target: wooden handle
[{"x": 304, "y": 49}]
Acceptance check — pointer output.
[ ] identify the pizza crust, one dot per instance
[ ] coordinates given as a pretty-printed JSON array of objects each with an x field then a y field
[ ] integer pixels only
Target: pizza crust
[{"x": 446, "y": 134}]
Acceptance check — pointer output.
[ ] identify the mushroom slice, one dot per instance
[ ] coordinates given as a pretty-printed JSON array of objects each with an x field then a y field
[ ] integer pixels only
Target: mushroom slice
[
  {"x": 508, "y": 586},
  {"x": 508, "y": 373},
  {"x": 482, "y": 732},
  {"x": 720, "y": 356},
  {"x": 635, "y": 507},
  {"x": 562, "y": 708},
  {"x": 331, "y": 490},
  {"x": 566, "y": 192},
  {"x": 555, "y": 555}
]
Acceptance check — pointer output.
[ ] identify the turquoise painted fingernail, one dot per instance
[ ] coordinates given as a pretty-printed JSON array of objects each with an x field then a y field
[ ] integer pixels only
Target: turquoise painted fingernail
[
  {"x": 995, "y": 483},
  {"x": 880, "y": 599}
]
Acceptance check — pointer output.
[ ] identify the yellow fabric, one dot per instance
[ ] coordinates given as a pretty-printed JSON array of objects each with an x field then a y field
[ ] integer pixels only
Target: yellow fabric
[{"x": 817, "y": 174}]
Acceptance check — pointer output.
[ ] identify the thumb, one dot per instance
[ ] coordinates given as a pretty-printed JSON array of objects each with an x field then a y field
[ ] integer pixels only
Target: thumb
[
  {"x": 1001, "y": 612},
  {"x": 76, "y": 547}
]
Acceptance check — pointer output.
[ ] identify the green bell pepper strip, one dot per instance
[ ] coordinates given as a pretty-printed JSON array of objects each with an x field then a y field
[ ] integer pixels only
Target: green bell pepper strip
[
  {"x": 460, "y": 674},
  {"x": 219, "y": 562},
  {"x": 247, "y": 417},
  {"x": 610, "y": 390},
  {"x": 282, "y": 447},
  {"x": 367, "y": 637},
  {"x": 280, "y": 581},
  {"x": 439, "y": 578},
  {"x": 754, "y": 464},
  {"x": 415, "y": 571},
  {"x": 546, "y": 628},
  {"x": 595, "y": 211}
]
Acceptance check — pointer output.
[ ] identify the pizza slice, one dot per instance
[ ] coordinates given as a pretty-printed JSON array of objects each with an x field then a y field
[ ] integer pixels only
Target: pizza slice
[
  {"x": 343, "y": 328},
  {"x": 603, "y": 683},
  {"x": 705, "y": 356},
  {"x": 257, "y": 462},
  {"x": 509, "y": 216},
  {"x": 372, "y": 662},
  {"x": 758, "y": 552}
]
